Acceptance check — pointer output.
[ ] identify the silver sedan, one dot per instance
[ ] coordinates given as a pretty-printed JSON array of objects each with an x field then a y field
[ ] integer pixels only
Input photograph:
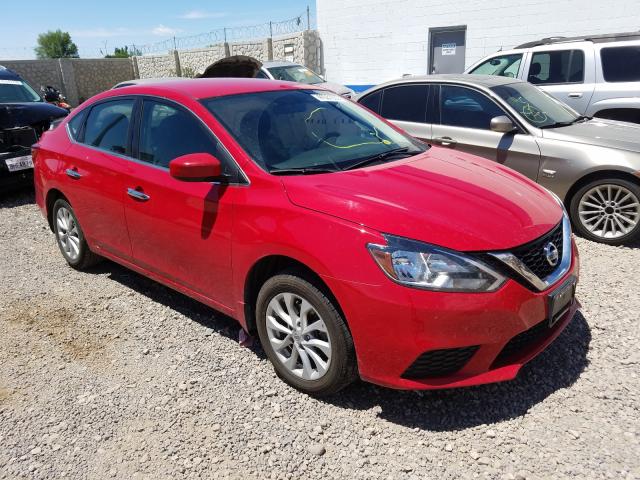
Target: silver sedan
[{"x": 593, "y": 165}]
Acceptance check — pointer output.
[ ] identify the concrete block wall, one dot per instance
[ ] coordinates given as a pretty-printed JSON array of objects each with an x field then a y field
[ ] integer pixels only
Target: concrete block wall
[
  {"x": 77, "y": 78},
  {"x": 376, "y": 40},
  {"x": 152, "y": 66},
  {"x": 195, "y": 61}
]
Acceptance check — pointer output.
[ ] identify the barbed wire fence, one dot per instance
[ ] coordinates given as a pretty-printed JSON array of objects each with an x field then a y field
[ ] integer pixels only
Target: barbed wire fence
[{"x": 220, "y": 35}]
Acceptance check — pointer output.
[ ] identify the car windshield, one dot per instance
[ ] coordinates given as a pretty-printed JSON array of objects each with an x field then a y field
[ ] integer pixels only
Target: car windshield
[
  {"x": 17, "y": 91},
  {"x": 535, "y": 106},
  {"x": 503, "y": 65},
  {"x": 309, "y": 131},
  {"x": 295, "y": 73}
]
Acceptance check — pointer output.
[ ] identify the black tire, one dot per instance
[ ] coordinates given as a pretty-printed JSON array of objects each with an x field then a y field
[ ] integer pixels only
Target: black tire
[
  {"x": 583, "y": 231},
  {"x": 342, "y": 369},
  {"x": 85, "y": 257}
]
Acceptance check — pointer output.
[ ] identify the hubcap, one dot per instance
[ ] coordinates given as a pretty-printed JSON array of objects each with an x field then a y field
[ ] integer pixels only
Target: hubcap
[
  {"x": 68, "y": 235},
  {"x": 298, "y": 335},
  {"x": 609, "y": 211}
]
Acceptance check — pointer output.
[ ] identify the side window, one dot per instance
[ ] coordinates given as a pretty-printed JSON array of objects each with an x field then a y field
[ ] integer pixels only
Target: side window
[
  {"x": 464, "y": 107},
  {"x": 406, "y": 103},
  {"x": 562, "y": 66},
  {"x": 75, "y": 125},
  {"x": 261, "y": 74},
  {"x": 167, "y": 132},
  {"x": 503, "y": 65},
  {"x": 107, "y": 125},
  {"x": 621, "y": 64},
  {"x": 372, "y": 101}
]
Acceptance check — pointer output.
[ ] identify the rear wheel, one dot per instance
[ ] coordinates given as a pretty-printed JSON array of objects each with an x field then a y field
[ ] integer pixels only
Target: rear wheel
[
  {"x": 607, "y": 211},
  {"x": 70, "y": 237},
  {"x": 304, "y": 335}
]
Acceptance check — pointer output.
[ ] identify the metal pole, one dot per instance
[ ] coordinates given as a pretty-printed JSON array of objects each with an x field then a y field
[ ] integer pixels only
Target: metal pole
[
  {"x": 225, "y": 34},
  {"x": 308, "y": 16},
  {"x": 270, "y": 30},
  {"x": 174, "y": 43}
]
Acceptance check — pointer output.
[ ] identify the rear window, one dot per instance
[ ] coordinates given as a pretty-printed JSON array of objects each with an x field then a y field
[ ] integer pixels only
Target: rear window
[
  {"x": 621, "y": 64},
  {"x": 405, "y": 103},
  {"x": 107, "y": 125}
]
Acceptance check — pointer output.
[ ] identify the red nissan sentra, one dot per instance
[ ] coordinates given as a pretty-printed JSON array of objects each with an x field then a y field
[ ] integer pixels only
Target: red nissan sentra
[{"x": 349, "y": 247}]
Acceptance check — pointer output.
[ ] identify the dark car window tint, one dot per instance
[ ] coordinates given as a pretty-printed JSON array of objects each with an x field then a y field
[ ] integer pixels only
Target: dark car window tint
[
  {"x": 167, "y": 133},
  {"x": 463, "y": 107},
  {"x": 75, "y": 124},
  {"x": 261, "y": 74},
  {"x": 564, "y": 66},
  {"x": 372, "y": 102},
  {"x": 406, "y": 102},
  {"x": 107, "y": 125},
  {"x": 621, "y": 64}
]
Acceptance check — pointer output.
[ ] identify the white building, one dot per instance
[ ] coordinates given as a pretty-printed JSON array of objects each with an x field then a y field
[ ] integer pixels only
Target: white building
[{"x": 369, "y": 41}]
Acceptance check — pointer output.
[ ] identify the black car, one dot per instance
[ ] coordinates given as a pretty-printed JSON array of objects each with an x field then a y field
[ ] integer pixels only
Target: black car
[{"x": 23, "y": 118}]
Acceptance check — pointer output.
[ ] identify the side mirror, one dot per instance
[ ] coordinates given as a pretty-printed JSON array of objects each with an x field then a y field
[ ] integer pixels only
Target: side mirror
[
  {"x": 196, "y": 167},
  {"x": 502, "y": 124}
]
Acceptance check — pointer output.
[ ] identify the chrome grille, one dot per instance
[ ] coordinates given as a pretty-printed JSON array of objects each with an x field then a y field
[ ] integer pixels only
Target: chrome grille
[{"x": 533, "y": 256}]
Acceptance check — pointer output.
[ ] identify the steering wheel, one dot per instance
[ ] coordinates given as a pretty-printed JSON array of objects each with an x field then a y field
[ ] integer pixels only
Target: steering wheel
[{"x": 326, "y": 137}]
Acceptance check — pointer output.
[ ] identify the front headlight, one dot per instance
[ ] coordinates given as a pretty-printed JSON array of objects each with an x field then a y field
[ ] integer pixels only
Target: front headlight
[{"x": 421, "y": 265}]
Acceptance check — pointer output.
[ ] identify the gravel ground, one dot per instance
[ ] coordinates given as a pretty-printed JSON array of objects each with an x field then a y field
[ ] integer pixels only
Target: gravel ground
[{"x": 107, "y": 374}]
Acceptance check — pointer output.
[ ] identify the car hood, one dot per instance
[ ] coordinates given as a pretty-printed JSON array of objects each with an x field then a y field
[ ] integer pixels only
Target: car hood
[
  {"x": 604, "y": 133},
  {"x": 454, "y": 200},
  {"x": 337, "y": 88},
  {"x": 26, "y": 114}
]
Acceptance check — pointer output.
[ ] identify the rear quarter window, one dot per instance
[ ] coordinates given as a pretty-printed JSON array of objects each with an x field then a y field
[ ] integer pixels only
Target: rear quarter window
[
  {"x": 621, "y": 64},
  {"x": 372, "y": 101}
]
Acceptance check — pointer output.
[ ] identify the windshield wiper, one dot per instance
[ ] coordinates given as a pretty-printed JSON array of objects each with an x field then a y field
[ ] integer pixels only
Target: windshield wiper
[
  {"x": 302, "y": 171},
  {"x": 403, "y": 151},
  {"x": 580, "y": 118}
]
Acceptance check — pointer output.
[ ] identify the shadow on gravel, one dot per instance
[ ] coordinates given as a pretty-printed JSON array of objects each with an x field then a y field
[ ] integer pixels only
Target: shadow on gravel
[
  {"x": 556, "y": 368},
  {"x": 17, "y": 198},
  {"x": 190, "y": 308}
]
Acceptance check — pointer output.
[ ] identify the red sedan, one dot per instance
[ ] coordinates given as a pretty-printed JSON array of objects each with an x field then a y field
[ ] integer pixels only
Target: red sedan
[{"x": 349, "y": 247}]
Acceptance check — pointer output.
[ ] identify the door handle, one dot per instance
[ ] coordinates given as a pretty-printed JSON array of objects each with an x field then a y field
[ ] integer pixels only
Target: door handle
[
  {"x": 445, "y": 141},
  {"x": 73, "y": 173},
  {"x": 575, "y": 95},
  {"x": 137, "y": 194}
]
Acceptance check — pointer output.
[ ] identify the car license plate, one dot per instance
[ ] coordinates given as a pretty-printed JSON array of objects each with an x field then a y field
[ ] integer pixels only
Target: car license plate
[
  {"x": 560, "y": 300},
  {"x": 19, "y": 163}
]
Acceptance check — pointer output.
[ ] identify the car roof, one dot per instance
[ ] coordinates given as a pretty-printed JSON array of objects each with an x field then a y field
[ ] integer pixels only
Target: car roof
[
  {"x": 213, "y": 87},
  {"x": 603, "y": 38},
  {"x": 486, "y": 81},
  {"x": 7, "y": 74},
  {"x": 280, "y": 63}
]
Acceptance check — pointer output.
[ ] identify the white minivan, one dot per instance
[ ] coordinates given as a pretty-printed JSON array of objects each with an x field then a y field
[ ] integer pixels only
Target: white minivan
[{"x": 595, "y": 75}]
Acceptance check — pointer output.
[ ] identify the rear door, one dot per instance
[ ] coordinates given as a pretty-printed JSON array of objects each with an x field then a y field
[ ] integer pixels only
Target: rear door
[
  {"x": 464, "y": 119},
  {"x": 179, "y": 230},
  {"x": 567, "y": 73},
  {"x": 92, "y": 173}
]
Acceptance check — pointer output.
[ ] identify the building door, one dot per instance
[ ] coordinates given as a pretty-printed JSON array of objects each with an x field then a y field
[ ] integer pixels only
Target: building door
[{"x": 446, "y": 49}]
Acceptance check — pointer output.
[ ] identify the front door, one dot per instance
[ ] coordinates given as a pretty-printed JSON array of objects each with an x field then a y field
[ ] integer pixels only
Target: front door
[
  {"x": 179, "y": 230},
  {"x": 447, "y": 50},
  {"x": 465, "y": 117}
]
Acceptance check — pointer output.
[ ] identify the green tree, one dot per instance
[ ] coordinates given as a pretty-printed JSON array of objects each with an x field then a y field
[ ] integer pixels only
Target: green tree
[
  {"x": 56, "y": 44},
  {"x": 124, "y": 52}
]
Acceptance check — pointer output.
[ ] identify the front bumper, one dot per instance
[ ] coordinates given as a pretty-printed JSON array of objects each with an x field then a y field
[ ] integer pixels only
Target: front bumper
[
  {"x": 393, "y": 325},
  {"x": 14, "y": 180}
]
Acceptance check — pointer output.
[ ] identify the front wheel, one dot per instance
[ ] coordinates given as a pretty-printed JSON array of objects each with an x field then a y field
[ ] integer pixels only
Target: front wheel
[
  {"x": 304, "y": 335},
  {"x": 607, "y": 211}
]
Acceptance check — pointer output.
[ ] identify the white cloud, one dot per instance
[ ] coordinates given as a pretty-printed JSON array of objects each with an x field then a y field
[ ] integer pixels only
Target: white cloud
[
  {"x": 200, "y": 14},
  {"x": 164, "y": 31},
  {"x": 101, "y": 32}
]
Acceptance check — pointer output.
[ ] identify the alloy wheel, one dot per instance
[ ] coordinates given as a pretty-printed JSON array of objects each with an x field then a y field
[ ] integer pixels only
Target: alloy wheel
[
  {"x": 68, "y": 235},
  {"x": 609, "y": 211},
  {"x": 298, "y": 335}
]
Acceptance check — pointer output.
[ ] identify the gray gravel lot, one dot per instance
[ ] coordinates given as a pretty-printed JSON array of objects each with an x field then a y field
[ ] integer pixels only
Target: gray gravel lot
[{"x": 107, "y": 374}]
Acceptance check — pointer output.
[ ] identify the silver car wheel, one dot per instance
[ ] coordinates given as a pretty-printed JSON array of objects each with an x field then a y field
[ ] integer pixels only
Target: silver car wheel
[
  {"x": 298, "y": 335},
  {"x": 68, "y": 235},
  {"x": 609, "y": 211}
]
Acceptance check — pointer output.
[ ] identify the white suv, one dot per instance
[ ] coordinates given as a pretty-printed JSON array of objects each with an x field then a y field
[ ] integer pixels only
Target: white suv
[{"x": 595, "y": 75}]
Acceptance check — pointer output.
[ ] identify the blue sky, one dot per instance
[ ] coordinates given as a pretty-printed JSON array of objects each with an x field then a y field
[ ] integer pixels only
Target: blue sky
[{"x": 114, "y": 23}]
